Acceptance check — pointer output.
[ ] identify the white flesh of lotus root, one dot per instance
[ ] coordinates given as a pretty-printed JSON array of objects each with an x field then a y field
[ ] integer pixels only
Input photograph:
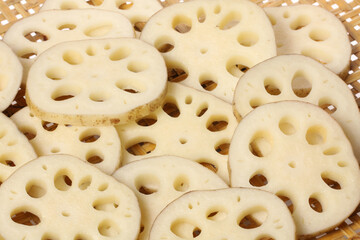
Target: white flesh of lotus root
[
  {"x": 61, "y": 197},
  {"x": 10, "y": 76},
  {"x": 99, "y": 146},
  {"x": 137, "y": 11},
  {"x": 212, "y": 41},
  {"x": 96, "y": 82},
  {"x": 300, "y": 153},
  {"x": 190, "y": 124},
  {"x": 233, "y": 213},
  {"x": 295, "y": 77},
  {"x": 33, "y": 35},
  {"x": 314, "y": 32},
  {"x": 158, "y": 181},
  {"x": 15, "y": 150}
]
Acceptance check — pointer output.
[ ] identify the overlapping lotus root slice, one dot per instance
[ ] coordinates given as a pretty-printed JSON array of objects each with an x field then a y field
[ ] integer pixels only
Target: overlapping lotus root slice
[
  {"x": 314, "y": 32},
  {"x": 99, "y": 146},
  {"x": 295, "y": 77},
  {"x": 31, "y": 36},
  {"x": 10, "y": 76},
  {"x": 298, "y": 152},
  {"x": 137, "y": 11},
  {"x": 233, "y": 213},
  {"x": 190, "y": 124},
  {"x": 15, "y": 150},
  {"x": 62, "y": 197},
  {"x": 188, "y": 35},
  {"x": 158, "y": 181},
  {"x": 96, "y": 82}
]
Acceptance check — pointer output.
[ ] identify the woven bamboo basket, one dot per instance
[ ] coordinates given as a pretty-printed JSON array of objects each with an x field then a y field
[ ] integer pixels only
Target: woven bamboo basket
[{"x": 348, "y": 11}]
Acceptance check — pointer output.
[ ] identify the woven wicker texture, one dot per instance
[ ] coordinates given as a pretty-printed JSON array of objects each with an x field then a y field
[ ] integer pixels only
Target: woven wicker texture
[{"x": 348, "y": 11}]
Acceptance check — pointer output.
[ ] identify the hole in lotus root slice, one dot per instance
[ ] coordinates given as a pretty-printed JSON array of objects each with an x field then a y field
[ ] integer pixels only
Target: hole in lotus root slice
[
  {"x": 327, "y": 105},
  {"x": 147, "y": 120},
  {"x": 49, "y": 236},
  {"x": 126, "y": 5},
  {"x": 8, "y": 159},
  {"x": 217, "y": 9},
  {"x": 67, "y": 27},
  {"x": 103, "y": 187},
  {"x": 272, "y": 19},
  {"x": 258, "y": 180},
  {"x": 30, "y": 54},
  {"x": 329, "y": 179},
  {"x": 265, "y": 237},
  {"x": 261, "y": 144},
  {"x": 72, "y": 57},
  {"x": 56, "y": 73},
  {"x": 181, "y": 183},
  {"x": 300, "y": 84},
  {"x": 69, "y": 5},
  {"x": 331, "y": 151},
  {"x": 209, "y": 165},
  {"x": 35, "y": 189},
  {"x": 109, "y": 228},
  {"x": 176, "y": 73},
  {"x": 300, "y": 22},
  {"x": 90, "y": 135},
  {"x": 208, "y": 82},
  {"x": 49, "y": 126},
  {"x": 253, "y": 218},
  {"x": 217, "y": 123},
  {"x": 202, "y": 109},
  {"x": 316, "y": 135},
  {"x": 138, "y": 66},
  {"x": 255, "y": 102},
  {"x": 94, "y": 2},
  {"x": 85, "y": 182},
  {"x": 271, "y": 86},
  {"x": 82, "y": 236},
  {"x": 185, "y": 229},
  {"x": 216, "y": 213},
  {"x": 98, "y": 30},
  {"x": 65, "y": 92},
  {"x": 287, "y": 125},
  {"x": 130, "y": 86},
  {"x": 139, "y": 26},
  {"x": 181, "y": 24},
  {"x": 24, "y": 216},
  {"x": 287, "y": 201},
  {"x": 201, "y": 15},
  {"x": 319, "y": 34},
  {"x": 230, "y": 20},
  {"x": 28, "y": 131},
  {"x": 35, "y": 36},
  {"x": 315, "y": 204},
  {"x": 119, "y": 54},
  {"x": 141, "y": 148},
  {"x": 63, "y": 180},
  {"x": 106, "y": 204},
  {"x": 223, "y": 147},
  {"x": 237, "y": 66},
  {"x": 171, "y": 108},
  {"x": 164, "y": 44},
  {"x": 94, "y": 157},
  {"x": 147, "y": 184},
  {"x": 91, "y": 51},
  {"x": 248, "y": 39}
]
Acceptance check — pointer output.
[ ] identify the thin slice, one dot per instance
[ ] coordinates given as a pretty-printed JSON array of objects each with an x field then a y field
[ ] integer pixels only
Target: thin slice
[
  {"x": 158, "y": 181},
  {"x": 233, "y": 213},
  {"x": 99, "y": 146},
  {"x": 300, "y": 153},
  {"x": 10, "y": 76},
  {"x": 209, "y": 44},
  {"x": 96, "y": 82},
  {"x": 313, "y": 32},
  {"x": 295, "y": 77},
  {"x": 190, "y": 124},
  {"x": 137, "y": 11},
  {"x": 49, "y": 197},
  {"x": 31, "y": 36}
]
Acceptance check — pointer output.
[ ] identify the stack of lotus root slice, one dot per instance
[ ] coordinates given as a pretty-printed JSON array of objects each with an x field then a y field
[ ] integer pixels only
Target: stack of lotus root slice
[{"x": 207, "y": 119}]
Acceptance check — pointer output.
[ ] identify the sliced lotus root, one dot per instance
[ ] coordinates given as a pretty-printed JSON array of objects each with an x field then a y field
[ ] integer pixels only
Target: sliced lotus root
[
  {"x": 158, "y": 181},
  {"x": 96, "y": 82},
  {"x": 15, "y": 150},
  {"x": 295, "y": 77},
  {"x": 314, "y": 32},
  {"x": 188, "y": 35},
  {"x": 31, "y": 36},
  {"x": 190, "y": 124},
  {"x": 233, "y": 213},
  {"x": 99, "y": 146},
  {"x": 137, "y": 11},
  {"x": 61, "y": 197},
  {"x": 10, "y": 76},
  {"x": 298, "y": 152}
]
